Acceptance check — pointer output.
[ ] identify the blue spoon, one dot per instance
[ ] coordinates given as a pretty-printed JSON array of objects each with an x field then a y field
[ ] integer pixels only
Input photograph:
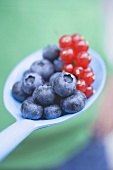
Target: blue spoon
[{"x": 17, "y": 132}]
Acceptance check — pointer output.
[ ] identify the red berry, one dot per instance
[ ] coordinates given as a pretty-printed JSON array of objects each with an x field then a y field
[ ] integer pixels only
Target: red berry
[
  {"x": 68, "y": 68},
  {"x": 67, "y": 55},
  {"x": 89, "y": 78},
  {"x": 87, "y": 70},
  {"x": 89, "y": 91},
  {"x": 81, "y": 45},
  {"x": 65, "y": 41},
  {"x": 76, "y": 37},
  {"x": 78, "y": 71},
  {"x": 83, "y": 59},
  {"x": 81, "y": 85}
]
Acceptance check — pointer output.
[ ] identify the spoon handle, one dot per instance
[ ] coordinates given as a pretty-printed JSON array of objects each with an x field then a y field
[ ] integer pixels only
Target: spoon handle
[{"x": 13, "y": 135}]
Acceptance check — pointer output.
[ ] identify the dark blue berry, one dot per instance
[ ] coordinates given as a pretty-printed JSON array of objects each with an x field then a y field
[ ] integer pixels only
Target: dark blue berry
[
  {"x": 18, "y": 93},
  {"x": 52, "y": 111},
  {"x": 31, "y": 110},
  {"x": 53, "y": 77},
  {"x": 58, "y": 64},
  {"x": 44, "y": 95},
  {"x": 64, "y": 84},
  {"x": 51, "y": 52},
  {"x": 26, "y": 72},
  {"x": 74, "y": 103},
  {"x": 31, "y": 81},
  {"x": 43, "y": 67},
  {"x": 30, "y": 98}
]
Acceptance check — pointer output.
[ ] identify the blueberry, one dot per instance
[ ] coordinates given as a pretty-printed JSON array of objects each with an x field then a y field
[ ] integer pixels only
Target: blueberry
[
  {"x": 53, "y": 77},
  {"x": 31, "y": 81},
  {"x": 58, "y": 64},
  {"x": 74, "y": 103},
  {"x": 26, "y": 72},
  {"x": 31, "y": 110},
  {"x": 43, "y": 67},
  {"x": 64, "y": 84},
  {"x": 18, "y": 93},
  {"x": 52, "y": 111},
  {"x": 51, "y": 52},
  {"x": 30, "y": 98},
  {"x": 44, "y": 95}
]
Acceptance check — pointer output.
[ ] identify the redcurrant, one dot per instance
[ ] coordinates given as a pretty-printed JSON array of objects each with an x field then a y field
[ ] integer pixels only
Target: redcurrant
[
  {"x": 68, "y": 68},
  {"x": 87, "y": 70},
  {"x": 81, "y": 45},
  {"x": 81, "y": 85},
  {"x": 65, "y": 41},
  {"x": 76, "y": 37},
  {"x": 83, "y": 59},
  {"x": 78, "y": 71},
  {"x": 67, "y": 55},
  {"x": 89, "y": 78},
  {"x": 89, "y": 91}
]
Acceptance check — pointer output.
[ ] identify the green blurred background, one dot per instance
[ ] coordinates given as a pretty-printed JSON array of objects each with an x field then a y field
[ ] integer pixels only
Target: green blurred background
[{"x": 26, "y": 26}]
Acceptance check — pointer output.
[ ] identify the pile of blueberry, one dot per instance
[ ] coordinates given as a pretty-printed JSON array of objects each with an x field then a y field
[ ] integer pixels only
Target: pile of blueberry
[{"x": 58, "y": 84}]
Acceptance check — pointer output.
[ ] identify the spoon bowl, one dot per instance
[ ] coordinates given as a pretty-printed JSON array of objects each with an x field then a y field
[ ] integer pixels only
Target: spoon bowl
[{"x": 23, "y": 127}]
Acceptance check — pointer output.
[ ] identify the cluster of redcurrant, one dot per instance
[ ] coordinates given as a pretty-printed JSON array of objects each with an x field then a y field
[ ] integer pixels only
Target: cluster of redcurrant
[{"x": 74, "y": 53}]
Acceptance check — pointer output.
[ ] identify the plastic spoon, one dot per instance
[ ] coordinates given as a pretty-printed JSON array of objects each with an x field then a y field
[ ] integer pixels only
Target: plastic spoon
[{"x": 17, "y": 132}]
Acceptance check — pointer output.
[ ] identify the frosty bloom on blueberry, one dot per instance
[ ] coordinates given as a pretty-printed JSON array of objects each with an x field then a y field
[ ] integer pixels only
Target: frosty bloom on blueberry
[
  {"x": 52, "y": 111},
  {"x": 53, "y": 77},
  {"x": 51, "y": 52},
  {"x": 64, "y": 84},
  {"x": 58, "y": 84},
  {"x": 30, "y": 110},
  {"x": 31, "y": 81},
  {"x": 44, "y": 95},
  {"x": 18, "y": 93},
  {"x": 58, "y": 64},
  {"x": 26, "y": 72},
  {"x": 74, "y": 103},
  {"x": 43, "y": 67}
]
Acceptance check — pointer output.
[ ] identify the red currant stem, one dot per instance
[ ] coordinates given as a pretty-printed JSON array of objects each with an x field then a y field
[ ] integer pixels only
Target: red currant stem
[
  {"x": 78, "y": 77},
  {"x": 74, "y": 63}
]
